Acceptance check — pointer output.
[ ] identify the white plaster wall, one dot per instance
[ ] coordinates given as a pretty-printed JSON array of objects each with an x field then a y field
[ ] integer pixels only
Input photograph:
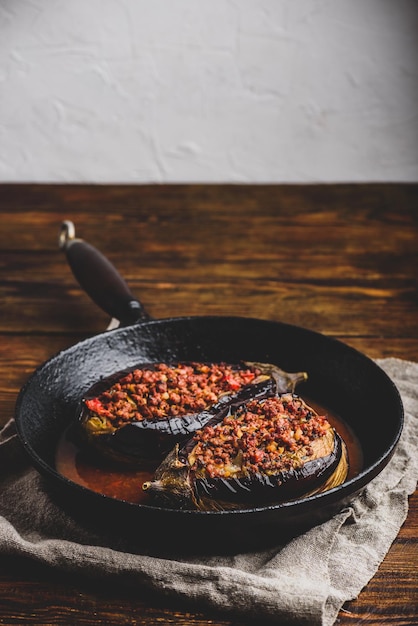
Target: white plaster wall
[{"x": 208, "y": 90}]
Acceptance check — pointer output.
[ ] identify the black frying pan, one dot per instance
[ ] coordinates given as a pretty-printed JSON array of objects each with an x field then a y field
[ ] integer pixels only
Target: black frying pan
[{"x": 340, "y": 378}]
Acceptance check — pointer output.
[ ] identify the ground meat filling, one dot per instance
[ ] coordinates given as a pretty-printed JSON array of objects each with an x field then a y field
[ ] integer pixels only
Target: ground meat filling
[
  {"x": 265, "y": 436},
  {"x": 165, "y": 391}
]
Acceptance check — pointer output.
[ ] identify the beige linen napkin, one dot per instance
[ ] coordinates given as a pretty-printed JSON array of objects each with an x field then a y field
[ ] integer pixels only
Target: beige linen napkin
[{"x": 303, "y": 581}]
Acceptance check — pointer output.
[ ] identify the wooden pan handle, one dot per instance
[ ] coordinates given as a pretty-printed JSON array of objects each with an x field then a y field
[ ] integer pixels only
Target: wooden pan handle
[{"x": 99, "y": 278}]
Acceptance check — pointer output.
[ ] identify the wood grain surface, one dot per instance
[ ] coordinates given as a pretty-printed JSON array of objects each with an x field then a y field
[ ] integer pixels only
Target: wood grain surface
[{"x": 339, "y": 259}]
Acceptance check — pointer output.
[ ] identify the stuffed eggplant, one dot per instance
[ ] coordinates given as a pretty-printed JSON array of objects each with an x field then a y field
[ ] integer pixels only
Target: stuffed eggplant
[
  {"x": 266, "y": 451},
  {"x": 138, "y": 416}
]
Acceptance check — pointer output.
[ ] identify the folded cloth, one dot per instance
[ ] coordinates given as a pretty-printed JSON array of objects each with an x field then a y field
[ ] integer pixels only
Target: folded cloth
[{"x": 303, "y": 581}]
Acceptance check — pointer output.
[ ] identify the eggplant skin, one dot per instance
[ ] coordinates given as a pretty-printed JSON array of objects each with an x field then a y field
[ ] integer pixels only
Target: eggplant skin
[
  {"x": 258, "y": 488},
  {"x": 175, "y": 485},
  {"x": 187, "y": 480},
  {"x": 147, "y": 441}
]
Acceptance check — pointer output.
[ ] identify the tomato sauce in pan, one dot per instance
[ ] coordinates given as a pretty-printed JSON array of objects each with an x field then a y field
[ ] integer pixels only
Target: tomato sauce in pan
[{"x": 125, "y": 483}]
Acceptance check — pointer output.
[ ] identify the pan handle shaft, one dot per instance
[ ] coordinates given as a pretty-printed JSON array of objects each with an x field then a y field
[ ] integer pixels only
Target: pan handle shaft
[{"x": 99, "y": 278}]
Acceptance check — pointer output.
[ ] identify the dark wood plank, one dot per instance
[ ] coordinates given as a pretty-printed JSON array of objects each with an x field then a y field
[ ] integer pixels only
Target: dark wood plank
[{"x": 236, "y": 250}]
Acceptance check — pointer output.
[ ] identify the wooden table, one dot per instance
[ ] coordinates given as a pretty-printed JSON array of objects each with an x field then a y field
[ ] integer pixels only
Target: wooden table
[{"x": 339, "y": 259}]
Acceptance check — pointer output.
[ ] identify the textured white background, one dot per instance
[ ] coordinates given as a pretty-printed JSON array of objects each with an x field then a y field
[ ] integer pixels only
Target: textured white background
[{"x": 208, "y": 90}]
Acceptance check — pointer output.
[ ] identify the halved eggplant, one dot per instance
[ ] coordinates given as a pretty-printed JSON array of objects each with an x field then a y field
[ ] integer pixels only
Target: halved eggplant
[
  {"x": 267, "y": 451},
  {"x": 138, "y": 416}
]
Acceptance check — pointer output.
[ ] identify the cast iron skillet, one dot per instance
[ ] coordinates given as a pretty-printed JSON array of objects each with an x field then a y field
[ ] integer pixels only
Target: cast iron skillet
[{"x": 340, "y": 378}]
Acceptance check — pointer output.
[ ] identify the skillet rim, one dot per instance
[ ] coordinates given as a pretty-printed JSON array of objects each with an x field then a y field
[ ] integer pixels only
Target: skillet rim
[{"x": 349, "y": 488}]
